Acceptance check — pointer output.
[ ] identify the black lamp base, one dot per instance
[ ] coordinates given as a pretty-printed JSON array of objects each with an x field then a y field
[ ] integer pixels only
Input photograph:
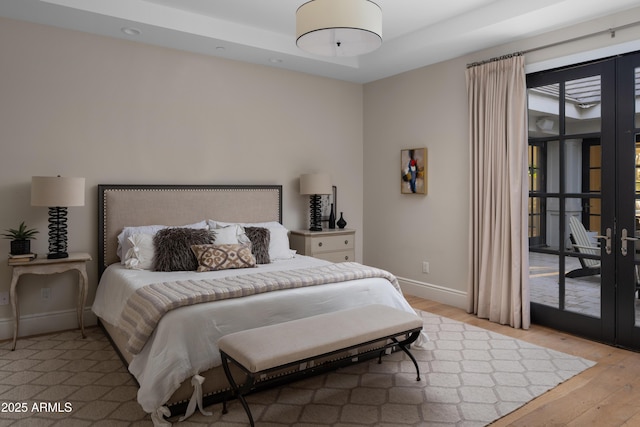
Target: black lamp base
[
  {"x": 58, "y": 255},
  {"x": 316, "y": 215},
  {"x": 57, "y": 233}
]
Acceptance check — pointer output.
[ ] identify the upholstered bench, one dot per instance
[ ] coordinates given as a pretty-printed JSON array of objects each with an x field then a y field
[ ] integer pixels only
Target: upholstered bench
[{"x": 268, "y": 349}]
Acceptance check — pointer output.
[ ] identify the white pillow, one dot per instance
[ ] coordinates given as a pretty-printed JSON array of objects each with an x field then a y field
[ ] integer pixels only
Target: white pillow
[
  {"x": 123, "y": 237},
  {"x": 278, "y": 237},
  {"x": 230, "y": 235},
  {"x": 279, "y": 244},
  {"x": 140, "y": 255},
  {"x": 124, "y": 245}
]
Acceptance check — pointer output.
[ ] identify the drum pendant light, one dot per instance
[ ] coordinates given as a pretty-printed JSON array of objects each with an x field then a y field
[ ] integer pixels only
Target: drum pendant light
[{"x": 339, "y": 27}]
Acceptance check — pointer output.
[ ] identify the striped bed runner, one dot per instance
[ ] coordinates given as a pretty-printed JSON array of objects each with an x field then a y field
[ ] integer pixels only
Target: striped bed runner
[{"x": 148, "y": 304}]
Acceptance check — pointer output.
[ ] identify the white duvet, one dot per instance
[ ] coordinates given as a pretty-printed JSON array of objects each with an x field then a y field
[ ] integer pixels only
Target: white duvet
[{"x": 185, "y": 341}]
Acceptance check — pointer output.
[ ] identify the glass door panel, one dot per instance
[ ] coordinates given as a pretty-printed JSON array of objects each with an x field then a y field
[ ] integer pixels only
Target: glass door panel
[
  {"x": 544, "y": 279},
  {"x": 569, "y": 287},
  {"x": 582, "y": 264},
  {"x": 537, "y": 208},
  {"x": 544, "y": 110},
  {"x": 636, "y": 84},
  {"x": 582, "y": 105},
  {"x": 636, "y": 103}
]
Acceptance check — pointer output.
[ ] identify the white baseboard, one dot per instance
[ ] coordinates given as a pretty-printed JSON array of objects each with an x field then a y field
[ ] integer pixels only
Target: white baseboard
[
  {"x": 433, "y": 292},
  {"x": 42, "y": 323}
]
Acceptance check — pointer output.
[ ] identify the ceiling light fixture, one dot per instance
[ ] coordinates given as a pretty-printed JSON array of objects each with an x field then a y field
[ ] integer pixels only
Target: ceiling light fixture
[{"x": 339, "y": 27}]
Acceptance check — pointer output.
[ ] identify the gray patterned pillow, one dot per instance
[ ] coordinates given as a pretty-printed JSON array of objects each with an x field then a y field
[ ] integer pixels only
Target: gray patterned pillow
[
  {"x": 173, "y": 248},
  {"x": 260, "y": 239},
  {"x": 223, "y": 257}
]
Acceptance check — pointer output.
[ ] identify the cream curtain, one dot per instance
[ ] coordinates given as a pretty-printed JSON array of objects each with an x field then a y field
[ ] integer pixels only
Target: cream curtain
[{"x": 499, "y": 260}]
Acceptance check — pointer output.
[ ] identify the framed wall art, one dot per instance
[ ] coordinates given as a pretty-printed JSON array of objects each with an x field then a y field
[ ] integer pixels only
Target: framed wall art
[{"x": 413, "y": 171}]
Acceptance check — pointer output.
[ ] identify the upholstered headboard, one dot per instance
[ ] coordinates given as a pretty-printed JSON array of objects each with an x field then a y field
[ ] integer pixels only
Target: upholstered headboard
[{"x": 134, "y": 205}]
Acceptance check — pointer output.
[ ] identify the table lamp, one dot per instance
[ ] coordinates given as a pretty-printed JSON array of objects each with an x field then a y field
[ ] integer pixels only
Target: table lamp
[
  {"x": 57, "y": 193},
  {"x": 315, "y": 185}
]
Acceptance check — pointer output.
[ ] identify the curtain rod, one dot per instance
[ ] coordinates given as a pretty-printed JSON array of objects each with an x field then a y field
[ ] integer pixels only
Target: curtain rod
[{"x": 611, "y": 31}]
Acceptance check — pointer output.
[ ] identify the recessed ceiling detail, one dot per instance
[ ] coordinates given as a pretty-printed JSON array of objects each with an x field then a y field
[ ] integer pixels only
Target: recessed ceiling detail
[{"x": 416, "y": 32}]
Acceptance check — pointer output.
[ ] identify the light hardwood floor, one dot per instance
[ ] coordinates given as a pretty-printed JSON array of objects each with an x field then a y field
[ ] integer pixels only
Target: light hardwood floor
[{"x": 607, "y": 394}]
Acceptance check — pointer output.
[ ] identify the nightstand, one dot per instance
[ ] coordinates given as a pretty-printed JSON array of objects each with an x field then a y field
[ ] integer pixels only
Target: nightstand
[
  {"x": 75, "y": 261},
  {"x": 335, "y": 245}
]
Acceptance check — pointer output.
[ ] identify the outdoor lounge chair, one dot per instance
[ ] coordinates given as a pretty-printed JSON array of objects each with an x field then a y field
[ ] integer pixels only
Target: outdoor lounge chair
[{"x": 584, "y": 245}]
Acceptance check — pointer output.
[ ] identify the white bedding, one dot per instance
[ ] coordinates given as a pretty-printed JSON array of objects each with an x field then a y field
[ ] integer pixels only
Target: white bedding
[{"x": 184, "y": 343}]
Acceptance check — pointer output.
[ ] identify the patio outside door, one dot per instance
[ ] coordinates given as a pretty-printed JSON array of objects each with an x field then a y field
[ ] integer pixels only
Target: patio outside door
[{"x": 584, "y": 177}]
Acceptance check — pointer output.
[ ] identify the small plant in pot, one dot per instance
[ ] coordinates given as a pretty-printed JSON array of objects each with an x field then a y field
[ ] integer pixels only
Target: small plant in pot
[{"x": 20, "y": 238}]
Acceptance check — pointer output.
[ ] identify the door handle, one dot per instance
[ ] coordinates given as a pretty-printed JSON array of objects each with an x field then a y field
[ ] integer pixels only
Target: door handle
[
  {"x": 624, "y": 239},
  {"x": 607, "y": 241}
]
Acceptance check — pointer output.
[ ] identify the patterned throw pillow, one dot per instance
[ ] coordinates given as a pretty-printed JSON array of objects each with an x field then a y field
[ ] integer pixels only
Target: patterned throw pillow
[
  {"x": 173, "y": 248},
  {"x": 259, "y": 238},
  {"x": 223, "y": 257}
]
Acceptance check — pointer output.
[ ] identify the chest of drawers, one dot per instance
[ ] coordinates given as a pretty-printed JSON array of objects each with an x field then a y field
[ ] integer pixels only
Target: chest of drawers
[{"x": 332, "y": 245}]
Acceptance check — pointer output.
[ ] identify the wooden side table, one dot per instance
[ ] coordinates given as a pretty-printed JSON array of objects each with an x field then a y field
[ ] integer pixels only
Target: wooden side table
[
  {"x": 335, "y": 245},
  {"x": 75, "y": 261}
]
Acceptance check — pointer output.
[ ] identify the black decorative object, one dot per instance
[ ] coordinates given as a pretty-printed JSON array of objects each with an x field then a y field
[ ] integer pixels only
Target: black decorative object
[
  {"x": 327, "y": 201},
  {"x": 341, "y": 222},
  {"x": 332, "y": 218}
]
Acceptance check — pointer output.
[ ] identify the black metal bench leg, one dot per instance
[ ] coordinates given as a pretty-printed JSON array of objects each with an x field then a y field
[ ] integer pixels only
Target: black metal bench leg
[
  {"x": 413, "y": 359},
  {"x": 236, "y": 389}
]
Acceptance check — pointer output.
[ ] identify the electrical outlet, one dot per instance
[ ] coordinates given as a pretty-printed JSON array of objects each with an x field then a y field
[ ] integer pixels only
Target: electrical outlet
[
  {"x": 425, "y": 267},
  {"x": 4, "y": 298},
  {"x": 45, "y": 293}
]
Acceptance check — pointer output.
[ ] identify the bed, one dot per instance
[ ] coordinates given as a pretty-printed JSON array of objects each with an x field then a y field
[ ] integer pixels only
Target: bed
[{"x": 177, "y": 361}]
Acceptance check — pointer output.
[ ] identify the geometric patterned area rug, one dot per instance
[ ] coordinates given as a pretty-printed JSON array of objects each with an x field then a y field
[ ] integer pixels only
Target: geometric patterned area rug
[
  {"x": 470, "y": 377},
  {"x": 477, "y": 376}
]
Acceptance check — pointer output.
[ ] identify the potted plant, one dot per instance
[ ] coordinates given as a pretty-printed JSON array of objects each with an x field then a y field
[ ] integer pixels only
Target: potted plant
[{"x": 21, "y": 238}]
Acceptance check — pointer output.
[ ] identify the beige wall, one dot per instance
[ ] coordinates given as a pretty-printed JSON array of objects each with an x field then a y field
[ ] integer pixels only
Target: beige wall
[
  {"x": 120, "y": 112},
  {"x": 427, "y": 107},
  {"x": 421, "y": 108}
]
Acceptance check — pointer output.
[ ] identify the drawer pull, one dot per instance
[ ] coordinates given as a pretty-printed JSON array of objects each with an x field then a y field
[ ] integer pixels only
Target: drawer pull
[
  {"x": 320, "y": 244},
  {"x": 346, "y": 257},
  {"x": 346, "y": 242}
]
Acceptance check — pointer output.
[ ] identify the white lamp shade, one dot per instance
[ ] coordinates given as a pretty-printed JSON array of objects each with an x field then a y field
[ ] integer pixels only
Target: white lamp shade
[
  {"x": 315, "y": 183},
  {"x": 339, "y": 27},
  {"x": 57, "y": 191}
]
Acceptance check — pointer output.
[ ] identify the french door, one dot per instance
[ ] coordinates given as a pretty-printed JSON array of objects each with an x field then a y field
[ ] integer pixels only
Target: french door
[
  {"x": 628, "y": 201},
  {"x": 584, "y": 199}
]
